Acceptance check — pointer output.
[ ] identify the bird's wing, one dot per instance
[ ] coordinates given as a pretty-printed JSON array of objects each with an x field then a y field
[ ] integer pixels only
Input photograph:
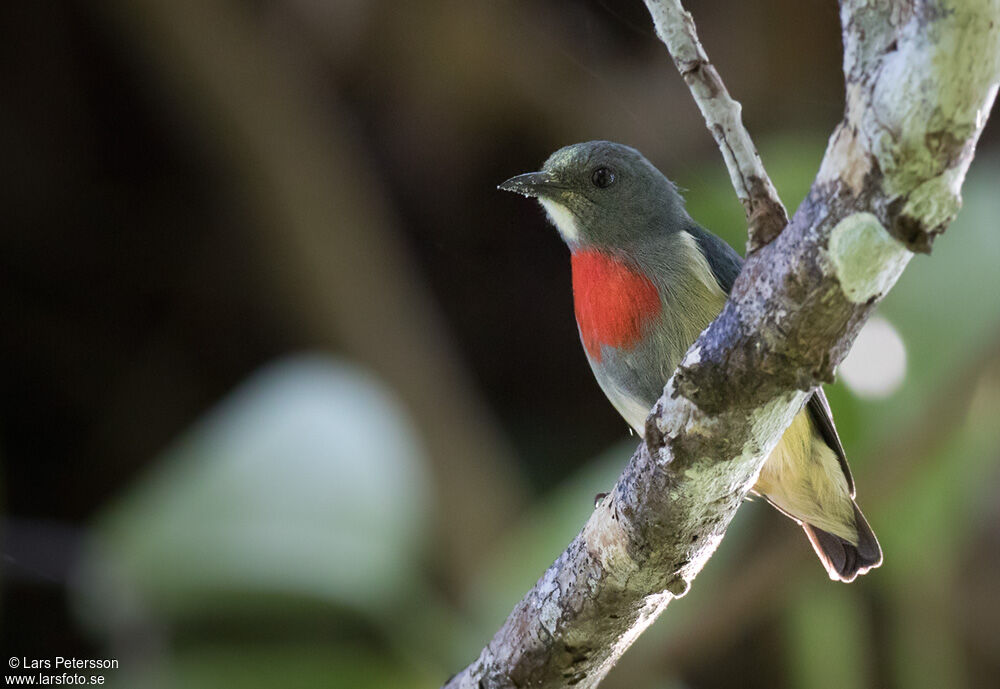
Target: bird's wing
[
  {"x": 722, "y": 258},
  {"x": 725, "y": 264},
  {"x": 822, "y": 418}
]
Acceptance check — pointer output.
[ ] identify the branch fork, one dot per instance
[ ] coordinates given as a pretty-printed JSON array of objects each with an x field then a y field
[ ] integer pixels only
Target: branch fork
[{"x": 884, "y": 189}]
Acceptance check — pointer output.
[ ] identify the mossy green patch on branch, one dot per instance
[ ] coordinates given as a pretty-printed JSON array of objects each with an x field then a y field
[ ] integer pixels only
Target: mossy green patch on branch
[{"x": 866, "y": 258}]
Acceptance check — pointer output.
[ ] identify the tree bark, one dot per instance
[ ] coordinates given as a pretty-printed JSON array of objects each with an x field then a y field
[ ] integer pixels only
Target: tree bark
[{"x": 921, "y": 78}]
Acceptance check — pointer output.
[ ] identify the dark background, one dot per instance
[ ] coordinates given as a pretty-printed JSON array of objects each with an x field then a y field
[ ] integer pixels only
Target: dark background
[{"x": 194, "y": 192}]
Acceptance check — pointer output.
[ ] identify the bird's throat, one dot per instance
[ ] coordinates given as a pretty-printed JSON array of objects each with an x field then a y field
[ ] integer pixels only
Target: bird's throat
[{"x": 613, "y": 301}]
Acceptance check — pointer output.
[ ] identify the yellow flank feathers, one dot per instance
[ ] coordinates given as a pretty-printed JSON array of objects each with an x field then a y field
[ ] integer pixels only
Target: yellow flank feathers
[{"x": 803, "y": 478}]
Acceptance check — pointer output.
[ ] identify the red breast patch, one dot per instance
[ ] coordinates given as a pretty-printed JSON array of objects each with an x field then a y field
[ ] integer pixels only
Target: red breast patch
[{"x": 612, "y": 301}]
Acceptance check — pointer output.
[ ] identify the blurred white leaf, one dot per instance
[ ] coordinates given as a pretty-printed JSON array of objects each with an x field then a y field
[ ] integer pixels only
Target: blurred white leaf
[{"x": 876, "y": 365}]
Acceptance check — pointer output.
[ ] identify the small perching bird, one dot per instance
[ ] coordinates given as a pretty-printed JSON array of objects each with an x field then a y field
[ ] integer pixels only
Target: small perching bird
[{"x": 647, "y": 280}]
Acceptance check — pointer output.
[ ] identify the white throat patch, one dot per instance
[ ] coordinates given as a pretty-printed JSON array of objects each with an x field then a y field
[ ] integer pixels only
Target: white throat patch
[{"x": 563, "y": 219}]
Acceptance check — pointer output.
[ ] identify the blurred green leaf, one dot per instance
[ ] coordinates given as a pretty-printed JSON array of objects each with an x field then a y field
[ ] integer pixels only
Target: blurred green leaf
[
  {"x": 827, "y": 637},
  {"x": 934, "y": 509},
  {"x": 308, "y": 482}
]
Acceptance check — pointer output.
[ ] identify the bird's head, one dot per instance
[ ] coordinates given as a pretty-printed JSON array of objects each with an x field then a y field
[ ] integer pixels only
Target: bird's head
[{"x": 603, "y": 195}]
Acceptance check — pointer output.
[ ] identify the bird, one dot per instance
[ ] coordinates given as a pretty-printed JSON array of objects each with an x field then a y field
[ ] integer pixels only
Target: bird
[{"x": 647, "y": 279}]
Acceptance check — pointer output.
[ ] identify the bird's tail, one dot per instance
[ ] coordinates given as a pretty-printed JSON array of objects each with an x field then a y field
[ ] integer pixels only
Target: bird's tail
[{"x": 844, "y": 560}]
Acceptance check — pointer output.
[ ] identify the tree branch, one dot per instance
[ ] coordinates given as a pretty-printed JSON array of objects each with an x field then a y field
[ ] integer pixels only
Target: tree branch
[
  {"x": 921, "y": 79},
  {"x": 766, "y": 214},
  {"x": 908, "y": 453}
]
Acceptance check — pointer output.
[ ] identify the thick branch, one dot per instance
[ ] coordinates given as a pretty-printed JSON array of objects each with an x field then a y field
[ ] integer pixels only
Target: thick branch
[
  {"x": 723, "y": 116},
  {"x": 920, "y": 83}
]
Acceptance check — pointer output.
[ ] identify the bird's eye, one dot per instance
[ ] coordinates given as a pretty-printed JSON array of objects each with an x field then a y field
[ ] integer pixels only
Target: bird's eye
[{"x": 603, "y": 177}]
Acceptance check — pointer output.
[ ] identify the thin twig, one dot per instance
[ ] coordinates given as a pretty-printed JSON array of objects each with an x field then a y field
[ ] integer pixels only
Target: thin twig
[{"x": 766, "y": 214}]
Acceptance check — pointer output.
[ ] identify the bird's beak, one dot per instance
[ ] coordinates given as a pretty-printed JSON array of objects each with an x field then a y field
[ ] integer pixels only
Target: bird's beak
[{"x": 532, "y": 184}]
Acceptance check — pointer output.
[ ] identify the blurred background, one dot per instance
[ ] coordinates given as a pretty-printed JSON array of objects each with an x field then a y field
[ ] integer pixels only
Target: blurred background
[{"x": 292, "y": 396}]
